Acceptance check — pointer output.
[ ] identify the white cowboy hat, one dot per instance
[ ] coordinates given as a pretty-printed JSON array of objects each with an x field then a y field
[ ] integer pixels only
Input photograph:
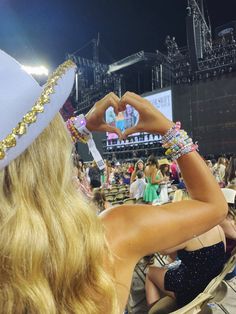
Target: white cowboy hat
[{"x": 26, "y": 107}]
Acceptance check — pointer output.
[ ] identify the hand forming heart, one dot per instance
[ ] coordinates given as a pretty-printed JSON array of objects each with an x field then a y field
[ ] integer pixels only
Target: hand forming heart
[{"x": 150, "y": 119}]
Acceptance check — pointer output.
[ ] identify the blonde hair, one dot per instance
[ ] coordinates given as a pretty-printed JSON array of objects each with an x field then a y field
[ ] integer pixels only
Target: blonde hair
[
  {"x": 180, "y": 195},
  {"x": 52, "y": 245}
]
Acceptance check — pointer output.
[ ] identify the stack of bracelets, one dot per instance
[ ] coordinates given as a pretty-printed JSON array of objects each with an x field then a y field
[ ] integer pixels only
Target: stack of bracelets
[
  {"x": 75, "y": 134},
  {"x": 177, "y": 142}
]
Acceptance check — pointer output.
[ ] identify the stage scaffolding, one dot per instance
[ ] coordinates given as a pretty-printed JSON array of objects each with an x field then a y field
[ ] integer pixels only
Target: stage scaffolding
[{"x": 204, "y": 58}]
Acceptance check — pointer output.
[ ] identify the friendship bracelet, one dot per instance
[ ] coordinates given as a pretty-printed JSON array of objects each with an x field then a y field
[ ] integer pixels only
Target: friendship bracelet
[
  {"x": 79, "y": 132},
  {"x": 75, "y": 134},
  {"x": 177, "y": 142}
]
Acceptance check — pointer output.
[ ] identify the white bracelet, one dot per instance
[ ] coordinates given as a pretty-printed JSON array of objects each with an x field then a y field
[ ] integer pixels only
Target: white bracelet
[{"x": 80, "y": 124}]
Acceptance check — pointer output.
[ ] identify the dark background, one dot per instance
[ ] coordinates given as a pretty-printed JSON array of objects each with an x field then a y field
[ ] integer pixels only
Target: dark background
[
  {"x": 42, "y": 32},
  {"x": 207, "y": 109}
]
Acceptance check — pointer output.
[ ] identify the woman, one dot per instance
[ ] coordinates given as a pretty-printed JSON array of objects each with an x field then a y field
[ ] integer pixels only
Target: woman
[
  {"x": 153, "y": 180},
  {"x": 56, "y": 255},
  {"x": 229, "y": 227},
  {"x": 139, "y": 166},
  {"x": 209, "y": 164},
  {"x": 99, "y": 199},
  {"x": 106, "y": 175},
  {"x": 200, "y": 259},
  {"x": 230, "y": 172},
  {"x": 95, "y": 176},
  {"x": 219, "y": 171},
  {"x": 79, "y": 177},
  {"x": 164, "y": 169}
]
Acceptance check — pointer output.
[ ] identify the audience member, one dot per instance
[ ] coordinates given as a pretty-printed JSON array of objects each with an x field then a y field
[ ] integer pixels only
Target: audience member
[
  {"x": 181, "y": 184},
  {"x": 130, "y": 168},
  {"x": 126, "y": 178},
  {"x": 99, "y": 199},
  {"x": 230, "y": 172},
  {"x": 174, "y": 172},
  {"x": 200, "y": 259},
  {"x": 153, "y": 180},
  {"x": 164, "y": 169},
  {"x": 229, "y": 226},
  {"x": 95, "y": 176},
  {"x": 209, "y": 164},
  {"x": 137, "y": 188},
  {"x": 180, "y": 195},
  {"x": 79, "y": 177},
  {"x": 219, "y": 171},
  {"x": 138, "y": 166}
]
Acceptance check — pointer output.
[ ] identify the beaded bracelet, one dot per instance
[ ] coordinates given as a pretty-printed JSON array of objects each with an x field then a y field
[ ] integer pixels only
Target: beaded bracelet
[
  {"x": 75, "y": 134},
  {"x": 177, "y": 142},
  {"x": 186, "y": 150}
]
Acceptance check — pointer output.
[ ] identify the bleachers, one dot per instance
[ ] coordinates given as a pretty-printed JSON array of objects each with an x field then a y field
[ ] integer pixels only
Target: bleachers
[{"x": 117, "y": 194}]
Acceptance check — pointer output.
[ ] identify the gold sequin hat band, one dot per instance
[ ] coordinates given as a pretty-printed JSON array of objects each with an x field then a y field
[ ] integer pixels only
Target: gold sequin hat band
[{"x": 26, "y": 108}]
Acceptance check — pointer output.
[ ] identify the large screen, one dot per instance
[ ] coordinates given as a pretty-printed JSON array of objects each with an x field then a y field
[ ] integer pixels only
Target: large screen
[{"x": 161, "y": 100}]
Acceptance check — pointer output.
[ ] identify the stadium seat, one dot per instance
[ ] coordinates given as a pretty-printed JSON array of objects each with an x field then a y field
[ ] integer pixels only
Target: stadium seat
[
  {"x": 110, "y": 197},
  {"x": 119, "y": 196},
  {"x": 130, "y": 201}
]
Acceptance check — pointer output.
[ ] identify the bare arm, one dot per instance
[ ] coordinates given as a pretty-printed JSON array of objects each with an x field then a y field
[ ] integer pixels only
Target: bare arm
[
  {"x": 133, "y": 176},
  {"x": 140, "y": 229},
  {"x": 133, "y": 231},
  {"x": 131, "y": 191},
  {"x": 137, "y": 230}
]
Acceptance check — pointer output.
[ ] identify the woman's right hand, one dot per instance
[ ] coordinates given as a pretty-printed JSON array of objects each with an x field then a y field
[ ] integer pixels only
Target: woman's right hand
[{"x": 151, "y": 120}]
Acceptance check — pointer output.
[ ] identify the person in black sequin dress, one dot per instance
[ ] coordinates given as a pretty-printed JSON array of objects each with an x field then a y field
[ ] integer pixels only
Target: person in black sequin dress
[{"x": 200, "y": 260}]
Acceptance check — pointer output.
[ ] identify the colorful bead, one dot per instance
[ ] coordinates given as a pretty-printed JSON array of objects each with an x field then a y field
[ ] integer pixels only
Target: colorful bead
[
  {"x": 177, "y": 142},
  {"x": 75, "y": 134}
]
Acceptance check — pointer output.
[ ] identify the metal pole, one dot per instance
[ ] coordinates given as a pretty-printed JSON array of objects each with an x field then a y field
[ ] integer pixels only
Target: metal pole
[
  {"x": 161, "y": 75},
  {"x": 76, "y": 87}
]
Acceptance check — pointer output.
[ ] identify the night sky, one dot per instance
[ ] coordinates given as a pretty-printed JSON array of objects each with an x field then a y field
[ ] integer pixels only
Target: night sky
[{"x": 42, "y": 32}]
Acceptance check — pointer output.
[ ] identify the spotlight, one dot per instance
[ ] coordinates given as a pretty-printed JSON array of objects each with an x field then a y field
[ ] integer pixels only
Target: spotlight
[{"x": 39, "y": 70}]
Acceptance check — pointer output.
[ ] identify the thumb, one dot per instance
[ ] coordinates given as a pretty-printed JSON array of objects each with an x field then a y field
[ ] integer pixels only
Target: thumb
[{"x": 129, "y": 131}]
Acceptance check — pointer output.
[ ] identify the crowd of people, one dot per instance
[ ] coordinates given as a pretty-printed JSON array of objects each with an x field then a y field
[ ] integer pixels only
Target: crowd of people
[
  {"x": 198, "y": 260},
  {"x": 147, "y": 178}
]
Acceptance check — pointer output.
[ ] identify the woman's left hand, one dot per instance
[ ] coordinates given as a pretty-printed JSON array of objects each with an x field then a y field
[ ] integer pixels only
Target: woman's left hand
[{"x": 95, "y": 117}]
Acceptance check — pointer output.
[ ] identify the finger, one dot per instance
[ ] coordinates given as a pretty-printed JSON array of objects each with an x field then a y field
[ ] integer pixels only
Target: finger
[
  {"x": 132, "y": 99},
  {"x": 113, "y": 95},
  {"x": 129, "y": 131},
  {"x": 112, "y": 100},
  {"x": 116, "y": 101}
]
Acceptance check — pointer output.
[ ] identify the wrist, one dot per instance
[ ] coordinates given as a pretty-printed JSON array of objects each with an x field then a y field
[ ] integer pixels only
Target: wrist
[
  {"x": 168, "y": 125},
  {"x": 164, "y": 126},
  {"x": 80, "y": 122}
]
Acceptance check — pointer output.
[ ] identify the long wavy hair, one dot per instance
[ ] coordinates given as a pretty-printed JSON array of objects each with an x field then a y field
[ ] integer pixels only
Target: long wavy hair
[
  {"x": 52, "y": 245},
  {"x": 230, "y": 172}
]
